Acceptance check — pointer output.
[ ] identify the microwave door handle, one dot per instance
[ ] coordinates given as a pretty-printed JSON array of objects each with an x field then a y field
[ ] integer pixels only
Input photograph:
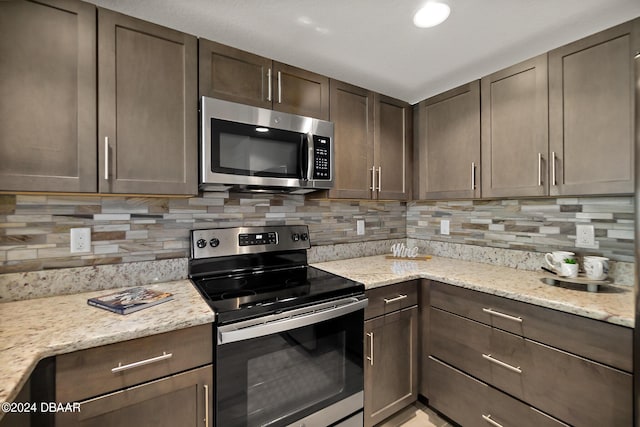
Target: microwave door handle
[
  {"x": 310, "y": 156},
  {"x": 302, "y": 161}
]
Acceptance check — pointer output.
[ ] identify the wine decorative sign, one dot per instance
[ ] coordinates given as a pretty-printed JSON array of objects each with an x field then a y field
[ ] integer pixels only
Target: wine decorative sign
[{"x": 400, "y": 251}]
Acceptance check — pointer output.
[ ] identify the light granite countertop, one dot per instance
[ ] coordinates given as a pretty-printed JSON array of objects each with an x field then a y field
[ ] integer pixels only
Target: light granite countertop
[
  {"x": 613, "y": 304},
  {"x": 31, "y": 330}
]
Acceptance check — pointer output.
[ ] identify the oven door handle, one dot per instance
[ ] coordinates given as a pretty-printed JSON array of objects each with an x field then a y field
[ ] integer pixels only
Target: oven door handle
[{"x": 289, "y": 320}]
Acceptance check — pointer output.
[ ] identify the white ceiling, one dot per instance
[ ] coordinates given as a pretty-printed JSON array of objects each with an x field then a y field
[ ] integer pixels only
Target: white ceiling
[{"x": 373, "y": 43}]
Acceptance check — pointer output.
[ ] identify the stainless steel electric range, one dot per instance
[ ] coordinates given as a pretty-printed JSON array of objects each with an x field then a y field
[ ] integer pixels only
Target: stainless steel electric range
[{"x": 289, "y": 336}]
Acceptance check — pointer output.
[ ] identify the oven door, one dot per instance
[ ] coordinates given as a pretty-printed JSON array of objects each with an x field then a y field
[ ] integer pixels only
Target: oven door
[{"x": 305, "y": 363}]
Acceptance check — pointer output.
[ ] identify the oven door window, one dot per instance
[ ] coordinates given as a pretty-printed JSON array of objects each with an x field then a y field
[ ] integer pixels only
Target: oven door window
[
  {"x": 248, "y": 150},
  {"x": 277, "y": 379}
]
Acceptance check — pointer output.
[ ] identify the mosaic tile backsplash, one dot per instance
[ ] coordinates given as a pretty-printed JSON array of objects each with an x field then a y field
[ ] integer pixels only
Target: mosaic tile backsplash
[
  {"x": 531, "y": 225},
  {"x": 34, "y": 229}
]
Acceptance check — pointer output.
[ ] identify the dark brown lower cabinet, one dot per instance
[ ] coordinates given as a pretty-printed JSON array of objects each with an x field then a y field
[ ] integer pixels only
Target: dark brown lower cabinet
[
  {"x": 391, "y": 360},
  {"x": 478, "y": 373},
  {"x": 184, "y": 399},
  {"x": 470, "y": 402},
  {"x": 158, "y": 380}
]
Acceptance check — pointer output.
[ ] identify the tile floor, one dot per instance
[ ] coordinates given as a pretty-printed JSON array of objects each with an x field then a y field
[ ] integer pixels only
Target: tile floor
[{"x": 424, "y": 417}]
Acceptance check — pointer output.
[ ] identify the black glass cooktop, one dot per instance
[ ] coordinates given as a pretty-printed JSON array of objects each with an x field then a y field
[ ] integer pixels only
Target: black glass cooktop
[{"x": 244, "y": 295}]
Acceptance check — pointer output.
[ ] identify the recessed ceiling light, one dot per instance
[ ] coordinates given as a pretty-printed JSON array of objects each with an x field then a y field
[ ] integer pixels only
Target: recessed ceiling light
[
  {"x": 431, "y": 14},
  {"x": 261, "y": 129}
]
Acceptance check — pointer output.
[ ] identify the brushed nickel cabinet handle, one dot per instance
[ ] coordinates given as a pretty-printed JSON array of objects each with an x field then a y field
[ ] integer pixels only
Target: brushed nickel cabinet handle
[
  {"x": 488, "y": 419},
  {"x": 473, "y": 175},
  {"x": 133, "y": 365},
  {"x": 379, "y": 178},
  {"x": 373, "y": 179},
  {"x": 279, "y": 87},
  {"x": 206, "y": 405},
  {"x": 398, "y": 298},
  {"x": 269, "y": 85},
  {"x": 370, "y": 356},
  {"x": 553, "y": 168},
  {"x": 501, "y": 363},
  {"x": 539, "y": 169},
  {"x": 504, "y": 316},
  {"x": 106, "y": 157}
]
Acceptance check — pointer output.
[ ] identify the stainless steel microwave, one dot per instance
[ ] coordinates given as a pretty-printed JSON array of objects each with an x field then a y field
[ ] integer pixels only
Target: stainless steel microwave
[{"x": 255, "y": 149}]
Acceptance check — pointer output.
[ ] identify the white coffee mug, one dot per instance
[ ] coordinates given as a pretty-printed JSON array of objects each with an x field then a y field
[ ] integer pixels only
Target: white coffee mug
[
  {"x": 568, "y": 270},
  {"x": 596, "y": 267},
  {"x": 555, "y": 258}
]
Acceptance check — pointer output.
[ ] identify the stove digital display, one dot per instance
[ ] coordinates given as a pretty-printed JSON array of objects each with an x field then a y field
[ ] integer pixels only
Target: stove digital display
[{"x": 251, "y": 239}]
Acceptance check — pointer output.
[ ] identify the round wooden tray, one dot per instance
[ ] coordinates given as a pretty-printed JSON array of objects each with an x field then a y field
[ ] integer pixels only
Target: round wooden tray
[{"x": 592, "y": 285}]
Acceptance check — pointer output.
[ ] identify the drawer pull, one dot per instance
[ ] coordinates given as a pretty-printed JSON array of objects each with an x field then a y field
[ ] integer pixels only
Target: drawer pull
[
  {"x": 504, "y": 316},
  {"x": 122, "y": 367},
  {"x": 501, "y": 363},
  {"x": 398, "y": 298},
  {"x": 488, "y": 419},
  {"x": 370, "y": 356}
]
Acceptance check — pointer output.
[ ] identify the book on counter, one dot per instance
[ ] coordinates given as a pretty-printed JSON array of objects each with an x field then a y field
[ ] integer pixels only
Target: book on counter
[{"x": 130, "y": 300}]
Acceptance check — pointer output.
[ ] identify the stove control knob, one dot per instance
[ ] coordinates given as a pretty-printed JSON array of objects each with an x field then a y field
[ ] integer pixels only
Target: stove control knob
[
  {"x": 201, "y": 243},
  {"x": 304, "y": 237},
  {"x": 295, "y": 237},
  {"x": 214, "y": 242}
]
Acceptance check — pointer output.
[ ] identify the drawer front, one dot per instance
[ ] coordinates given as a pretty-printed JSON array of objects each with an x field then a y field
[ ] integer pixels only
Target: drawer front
[
  {"x": 387, "y": 299},
  {"x": 470, "y": 402},
  {"x": 573, "y": 389},
  {"x": 460, "y": 342},
  {"x": 89, "y": 373},
  {"x": 596, "y": 340}
]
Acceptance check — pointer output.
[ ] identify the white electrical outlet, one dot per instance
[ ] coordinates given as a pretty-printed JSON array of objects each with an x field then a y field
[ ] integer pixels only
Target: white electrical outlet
[
  {"x": 444, "y": 226},
  {"x": 585, "y": 236},
  {"x": 360, "y": 227},
  {"x": 80, "y": 240}
]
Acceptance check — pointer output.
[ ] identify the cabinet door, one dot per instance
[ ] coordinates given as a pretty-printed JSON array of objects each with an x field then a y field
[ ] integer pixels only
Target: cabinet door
[
  {"x": 515, "y": 130},
  {"x": 391, "y": 359},
  {"x": 185, "y": 399},
  {"x": 449, "y": 144},
  {"x": 234, "y": 75},
  {"x": 352, "y": 116},
  {"x": 298, "y": 91},
  {"x": 147, "y": 111},
  {"x": 48, "y": 92},
  {"x": 392, "y": 148},
  {"x": 591, "y": 109}
]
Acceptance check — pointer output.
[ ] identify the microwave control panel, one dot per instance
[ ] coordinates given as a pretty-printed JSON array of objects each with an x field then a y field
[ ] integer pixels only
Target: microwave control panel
[{"x": 322, "y": 159}]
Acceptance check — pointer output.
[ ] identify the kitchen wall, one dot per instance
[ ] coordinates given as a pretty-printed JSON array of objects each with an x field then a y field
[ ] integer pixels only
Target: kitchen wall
[
  {"x": 532, "y": 225},
  {"x": 34, "y": 229}
]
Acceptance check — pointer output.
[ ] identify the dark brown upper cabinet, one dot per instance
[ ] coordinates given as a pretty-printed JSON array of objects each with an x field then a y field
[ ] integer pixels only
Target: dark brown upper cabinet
[
  {"x": 392, "y": 148},
  {"x": 448, "y": 138},
  {"x": 147, "y": 111},
  {"x": 239, "y": 76},
  {"x": 515, "y": 127},
  {"x": 48, "y": 91},
  {"x": 352, "y": 115},
  {"x": 372, "y": 140},
  {"x": 142, "y": 106},
  {"x": 591, "y": 113}
]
